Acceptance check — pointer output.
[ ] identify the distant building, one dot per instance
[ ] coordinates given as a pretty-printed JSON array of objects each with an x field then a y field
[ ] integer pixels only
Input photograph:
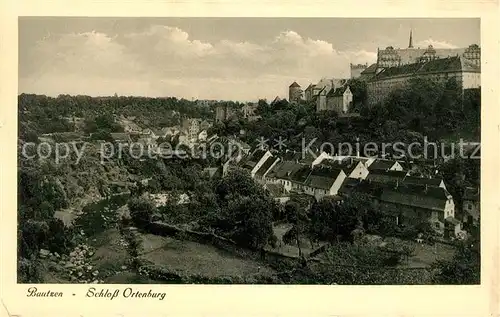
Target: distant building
[
  {"x": 339, "y": 100},
  {"x": 395, "y": 66},
  {"x": 192, "y": 128},
  {"x": 357, "y": 69},
  {"x": 224, "y": 112},
  {"x": 471, "y": 206},
  {"x": 325, "y": 84},
  {"x": 392, "y": 57},
  {"x": 321, "y": 99},
  {"x": 206, "y": 102},
  {"x": 441, "y": 70},
  {"x": 294, "y": 93},
  {"x": 308, "y": 93},
  {"x": 249, "y": 111}
]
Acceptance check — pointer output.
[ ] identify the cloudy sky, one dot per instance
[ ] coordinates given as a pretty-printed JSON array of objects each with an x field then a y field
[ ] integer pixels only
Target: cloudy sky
[{"x": 211, "y": 58}]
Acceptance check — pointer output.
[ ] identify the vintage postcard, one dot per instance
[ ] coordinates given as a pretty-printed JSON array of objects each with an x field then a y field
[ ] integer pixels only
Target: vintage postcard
[{"x": 214, "y": 163}]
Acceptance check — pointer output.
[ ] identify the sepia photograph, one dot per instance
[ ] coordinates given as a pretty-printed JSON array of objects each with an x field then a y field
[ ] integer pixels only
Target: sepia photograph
[{"x": 239, "y": 150}]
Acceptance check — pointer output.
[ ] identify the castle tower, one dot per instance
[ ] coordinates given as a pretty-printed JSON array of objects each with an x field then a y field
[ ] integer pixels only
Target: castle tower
[
  {"x": 410, "y": 44},
  {"x": 294, "y": 92}
]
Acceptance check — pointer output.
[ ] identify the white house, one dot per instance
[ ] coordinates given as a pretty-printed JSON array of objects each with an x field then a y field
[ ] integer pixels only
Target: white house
[
  {"x": 260, "y": 161},
  {"x": 323, "y": 181},
  {"x": 387, "y": 165}
]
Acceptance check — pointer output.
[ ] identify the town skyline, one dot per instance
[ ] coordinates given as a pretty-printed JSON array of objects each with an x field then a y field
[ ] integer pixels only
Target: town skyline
[{"x": 206, "y": 58}]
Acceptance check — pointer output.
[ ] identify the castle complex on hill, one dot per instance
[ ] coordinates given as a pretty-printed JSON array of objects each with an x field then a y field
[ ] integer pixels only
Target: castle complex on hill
[
  {"x": 394, "y": 67},
  {"x": 395, "y": 57},
  {"x": 392, "y": 70}
]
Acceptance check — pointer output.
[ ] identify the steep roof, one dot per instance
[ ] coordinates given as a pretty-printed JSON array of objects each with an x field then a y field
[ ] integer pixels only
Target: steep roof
[
  {"x": 322, "y": 177},
  {"x": 336, "y": 92},
  {"x": 294, "y": 84},
  {"x": 251, "y": 160},
  {"x": 265, "y": 167},
  {"x": 347, "y": 164},
  {"x": 422, "y": 181},
  {"x": 301, "y": 174},
  {"x": 448, "y": 64},
  {"x": 284, "y": 169},
  {"x": 348, "y": 185},
  {"x": 311, "y": 86},
  {"x": 433, "y": 198},
  {"x": 381, "y": 165},
  {"x": 257, "y": 155},
  {"x": 370, "y": 69},
  {"x": 382, "y": 176}
]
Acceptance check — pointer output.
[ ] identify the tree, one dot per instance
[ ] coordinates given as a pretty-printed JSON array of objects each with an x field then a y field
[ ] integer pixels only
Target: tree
[
  {"x": 249, "y": 222},
  {"x": 246, "y": 210},
  {"x": 47, "y": 210},
  {"x": 464, "y": 268},
  {"x": 141, "y": 210},
  {"x": 298, "y": 218}
]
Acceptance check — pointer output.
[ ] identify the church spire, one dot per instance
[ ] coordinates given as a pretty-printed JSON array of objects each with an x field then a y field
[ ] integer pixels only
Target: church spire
[{"x": 410, "y": 45}]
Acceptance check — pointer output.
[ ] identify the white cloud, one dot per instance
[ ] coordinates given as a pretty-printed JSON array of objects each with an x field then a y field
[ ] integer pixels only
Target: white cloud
[
  {"x": 172, "y": 40},
  {"x": 84, "y": 54},
  {"x": 435, "y": 44},
  {"x": 164, "y": 60}
]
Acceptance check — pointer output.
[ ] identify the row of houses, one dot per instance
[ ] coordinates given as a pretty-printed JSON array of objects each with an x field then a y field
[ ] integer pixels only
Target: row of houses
[
  {"x": 329, "y": 94},
  {"x": 190, "y": 132},
  {"x": 389, "y": 184},
  {"x": 224, "y": 112}
]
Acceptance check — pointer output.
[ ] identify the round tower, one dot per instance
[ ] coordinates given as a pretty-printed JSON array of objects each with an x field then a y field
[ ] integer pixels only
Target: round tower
[{"x": 294, "y": 92}]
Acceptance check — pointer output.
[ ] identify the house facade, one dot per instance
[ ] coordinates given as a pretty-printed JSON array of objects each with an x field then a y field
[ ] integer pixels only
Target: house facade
[
  {"x": 191, "y": 127},
  {"x": 471, "y": 206},
  {"x": 224, "y": 112},
  {"x": 249, "y": 111},
  {"x": 339, "y": 100},
  {"x": 414, "y": 204}
]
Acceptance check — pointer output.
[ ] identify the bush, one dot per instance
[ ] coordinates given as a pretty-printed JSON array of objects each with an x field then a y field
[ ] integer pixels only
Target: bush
[{"x": 141, "y": 211}]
